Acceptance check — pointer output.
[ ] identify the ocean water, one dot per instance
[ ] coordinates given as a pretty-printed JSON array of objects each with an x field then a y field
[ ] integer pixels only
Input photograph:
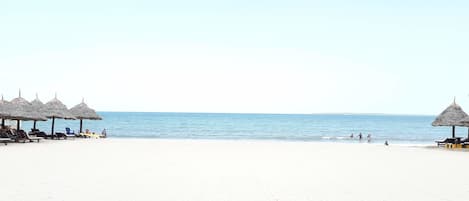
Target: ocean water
[{"x": 302, "y": 127}]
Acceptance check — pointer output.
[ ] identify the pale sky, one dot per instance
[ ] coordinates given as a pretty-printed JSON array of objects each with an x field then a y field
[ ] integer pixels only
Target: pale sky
[{"x": 396, "y": 57}]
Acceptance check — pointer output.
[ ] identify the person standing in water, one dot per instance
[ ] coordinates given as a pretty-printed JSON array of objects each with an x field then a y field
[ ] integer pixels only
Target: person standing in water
[
  {"x": 351, "y": 136},
  {"x": 360, "y": 136},
  {"x": 368, "y": 138}
]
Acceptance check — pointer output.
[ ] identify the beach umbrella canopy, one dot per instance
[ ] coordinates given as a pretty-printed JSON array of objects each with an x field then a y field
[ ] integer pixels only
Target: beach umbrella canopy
[
  {"x": 465, "y": 121},
  {"x": 39, "y": 107},
  {"x": 55, "y": 109},
  {"x": 5, "y": 109},
  {"x": 451, "y": 116},
  {"x": 23, "y": 110},
  {"x": 82, "y": 111}
]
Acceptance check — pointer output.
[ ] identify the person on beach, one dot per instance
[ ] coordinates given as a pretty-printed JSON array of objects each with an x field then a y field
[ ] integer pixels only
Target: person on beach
[
  {"x": 360, "y": 136},
  {"x": 386, "y": 143},
  {"x": 368, "y": 138},
  {"x": 351, "y": 136},
  {"x": 103, "y": 133}
]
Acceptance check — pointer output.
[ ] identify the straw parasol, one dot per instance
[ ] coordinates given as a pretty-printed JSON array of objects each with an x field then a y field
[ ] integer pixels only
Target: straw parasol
[
  {"x": 465, "y": 122},
  {"x": 5, "y": 109},
  {"x": 54, "y": 109},
  {"x": 39, "y": 107},
  {"x": 21, "y": 109},
  {"x": 82, "y": 111},
  {"x": 451, "y": 116}
]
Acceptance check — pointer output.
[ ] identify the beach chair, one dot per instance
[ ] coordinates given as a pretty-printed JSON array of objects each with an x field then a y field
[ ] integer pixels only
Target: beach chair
[
  {"x": 4, "y": 138},
  {"x": 60, "y": 135},
  {"x": 72, "y": 136},
  {"x": 464, "y": 140},
  {"x": 91, "y": 135},
  {"x": 69, "y": 131},
  {"x": 465, "y": 143},
  {"x": 25, "y": 135},
  {"x": 68, "y": 134},
  {"x": 39, "y": 133},
  {"x": 446, "y": 141},
  {"x": 12, "y": 134}
]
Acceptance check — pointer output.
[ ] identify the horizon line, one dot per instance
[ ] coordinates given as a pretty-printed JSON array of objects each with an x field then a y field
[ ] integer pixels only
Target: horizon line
[{"x": 319, "y": 113}]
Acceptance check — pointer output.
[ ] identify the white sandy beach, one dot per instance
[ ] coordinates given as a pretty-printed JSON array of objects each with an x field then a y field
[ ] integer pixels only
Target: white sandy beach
[{"x": 216, "y": 170}]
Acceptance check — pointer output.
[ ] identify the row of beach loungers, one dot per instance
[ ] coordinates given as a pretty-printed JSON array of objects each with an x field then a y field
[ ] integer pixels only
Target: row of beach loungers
[
  {"x": 456, "y": 142},
  {"x": 8, "y": 135}
]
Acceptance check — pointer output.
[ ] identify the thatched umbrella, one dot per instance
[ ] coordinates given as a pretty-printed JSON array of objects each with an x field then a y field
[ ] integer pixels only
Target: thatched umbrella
[
  {"x": 23, "y": 110},
  {"x": 82, "y": 111},
  {"x": 451, "y": 116},
  {"x": 5, "y": 109},
  {"x": 55, "y": 109},
  {"x": 465, "y": 123},
  {"x": 39, "y": 107}
]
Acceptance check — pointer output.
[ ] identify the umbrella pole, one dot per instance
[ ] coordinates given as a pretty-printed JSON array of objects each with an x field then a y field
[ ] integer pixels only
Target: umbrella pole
[
  {"x": 454, "y": 128},
  {"x": 52, "y": 132},
  {"x": 3, "y": 123},
  {"x": 17, "y": 125},
  {"x": 34, "y": 125},
  {"x": 81, "y": 125}
]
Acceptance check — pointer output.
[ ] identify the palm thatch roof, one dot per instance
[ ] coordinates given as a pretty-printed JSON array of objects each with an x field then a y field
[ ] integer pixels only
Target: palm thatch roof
[
  {"x": 21, "y": 109},
  {"x": 465, "y": 121},
  {"x": 56, "y": 109},
  {"x": 451, "y": 116},
  {"x": 39, "y": 106},
  {"x": 5, "y": 108},
  {"x": 82, "y": 111}
]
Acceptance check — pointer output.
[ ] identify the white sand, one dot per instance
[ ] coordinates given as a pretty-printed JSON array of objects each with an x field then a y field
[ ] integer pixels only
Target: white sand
[{"x": 193, "y": 170}]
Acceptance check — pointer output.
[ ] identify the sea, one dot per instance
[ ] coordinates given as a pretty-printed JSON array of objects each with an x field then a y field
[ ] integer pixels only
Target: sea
[{"x": 396, "y": 129}]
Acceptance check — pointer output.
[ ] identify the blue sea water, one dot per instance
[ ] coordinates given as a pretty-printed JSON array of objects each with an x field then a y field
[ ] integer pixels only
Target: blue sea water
[{"x": 303, "y": 127}]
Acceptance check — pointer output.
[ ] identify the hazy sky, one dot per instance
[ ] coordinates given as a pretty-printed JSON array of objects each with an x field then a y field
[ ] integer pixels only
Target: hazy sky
[{"x": 400, "y": 57}]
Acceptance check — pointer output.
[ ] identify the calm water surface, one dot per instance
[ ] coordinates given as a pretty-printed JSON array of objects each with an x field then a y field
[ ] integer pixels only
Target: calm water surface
[{"x": 313, "y": 127}]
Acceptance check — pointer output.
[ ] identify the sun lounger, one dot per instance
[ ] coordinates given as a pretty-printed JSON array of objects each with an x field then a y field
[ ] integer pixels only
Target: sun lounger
[
  {"x": 4, "y": 137},
  {"x": 59, "y": 135},
  {"x": 446, "y": 141},
  {"x": 69, "y": 133},
  {"x": 64, "y": 135},
  {"x": 91, "y": 135},
  {"x": 12, "y": 134},
  {"x": 464, "y": 141},
  {"x": 5, "y": 140},
  {"x": 39, "y": 133},
  {"x": 28, "y": 137},
  {"x": 73, "y": 136}
]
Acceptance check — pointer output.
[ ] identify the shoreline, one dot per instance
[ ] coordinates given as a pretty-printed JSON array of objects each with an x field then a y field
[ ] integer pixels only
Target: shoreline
[
  {"x": 342, "y": 141},
  {"x": 208, "y": 140},
  {"x": 364, "y": 142}
]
